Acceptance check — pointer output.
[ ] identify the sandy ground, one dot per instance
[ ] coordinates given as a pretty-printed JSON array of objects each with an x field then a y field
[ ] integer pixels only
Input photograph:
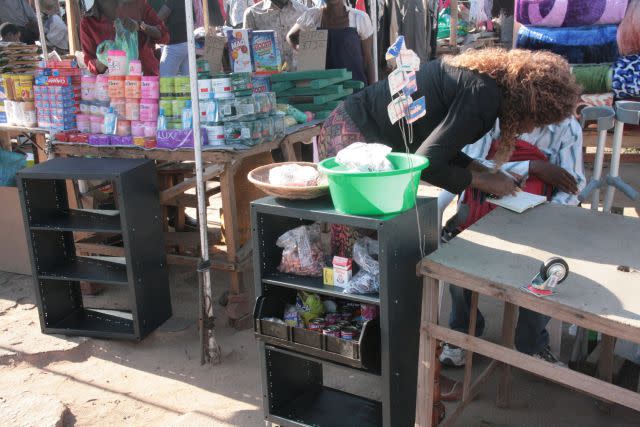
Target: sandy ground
[{"x": 159, "y": 381}]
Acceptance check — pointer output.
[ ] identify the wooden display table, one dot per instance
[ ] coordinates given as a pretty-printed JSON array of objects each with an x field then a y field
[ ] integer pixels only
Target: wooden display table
[
  {"x": 502, "y": 252},
  {"x": 230, "y": 168}
]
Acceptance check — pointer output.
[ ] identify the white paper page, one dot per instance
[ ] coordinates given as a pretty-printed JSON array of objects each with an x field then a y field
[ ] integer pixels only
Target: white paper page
[{"x": 520, "y": 202}]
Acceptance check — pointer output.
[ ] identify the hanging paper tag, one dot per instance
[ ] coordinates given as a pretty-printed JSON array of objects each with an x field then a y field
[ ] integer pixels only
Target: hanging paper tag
[
  {"x": 408, "y": 60},
  {"x": 395, "y": 48},
  {"x": 417, "y": 109},
  {"x": 411, "y": 86},
  {"x": 397, "y": 108},
  {"x": 397, "y": 80}
]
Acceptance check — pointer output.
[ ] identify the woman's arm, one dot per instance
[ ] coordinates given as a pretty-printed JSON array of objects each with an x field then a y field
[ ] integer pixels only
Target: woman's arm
[
  {"x": 89, "y": 46},
  {"x": 471, "y": 115},
  {"x": 293, "y": 36},
  {"x": 369, "y": 61}
]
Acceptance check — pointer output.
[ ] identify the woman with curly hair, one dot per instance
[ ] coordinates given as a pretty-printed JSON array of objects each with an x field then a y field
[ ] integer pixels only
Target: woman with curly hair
[{"x": 465, "y": 94}]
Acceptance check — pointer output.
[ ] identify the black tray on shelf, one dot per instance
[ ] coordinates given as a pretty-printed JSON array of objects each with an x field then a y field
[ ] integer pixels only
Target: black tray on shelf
[{"x": 363, "y": 353}]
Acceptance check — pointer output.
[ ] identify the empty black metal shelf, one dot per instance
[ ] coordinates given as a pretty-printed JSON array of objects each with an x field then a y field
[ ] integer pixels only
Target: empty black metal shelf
[
  {"x": 81, "y": 321},
  {"x": 87, "y": 269},
  {"x": 314, "y": 284},
  {"x": 324, "y": 406},
  {"x": 76, "y": 220}
]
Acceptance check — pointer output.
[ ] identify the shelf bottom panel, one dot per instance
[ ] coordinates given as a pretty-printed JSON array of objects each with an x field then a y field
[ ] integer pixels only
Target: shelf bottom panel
[
  {"x": 90, "y": 323},
  {"x": 330, "y": 407}
]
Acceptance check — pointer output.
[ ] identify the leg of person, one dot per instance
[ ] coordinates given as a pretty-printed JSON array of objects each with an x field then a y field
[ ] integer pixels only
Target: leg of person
[
  {"x": 532, "y": 337},
  {"x": 170, "y": 60},
  {"x": 459, "y": 321}
]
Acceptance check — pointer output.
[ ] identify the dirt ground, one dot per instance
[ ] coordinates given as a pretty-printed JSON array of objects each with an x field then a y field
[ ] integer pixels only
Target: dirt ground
[{"x": 159, "y": 381}]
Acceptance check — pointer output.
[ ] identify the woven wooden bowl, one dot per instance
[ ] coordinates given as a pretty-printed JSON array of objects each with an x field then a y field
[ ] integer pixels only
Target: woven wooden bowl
[{"x": 260, "y": 178}]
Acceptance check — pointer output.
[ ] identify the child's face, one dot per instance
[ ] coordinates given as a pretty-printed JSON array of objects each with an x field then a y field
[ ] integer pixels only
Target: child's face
[{"x": 15, "y": 37}]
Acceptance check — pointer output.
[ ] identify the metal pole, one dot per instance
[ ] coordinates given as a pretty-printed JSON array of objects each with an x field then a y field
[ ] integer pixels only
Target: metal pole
[
  {"x": 614, "y": 166},
  {"x": 210, "y": 349},
  {"x": 597, "y": 168},
  {"x": 374, "y": 21},
  {"x": 43, "y": 39}
]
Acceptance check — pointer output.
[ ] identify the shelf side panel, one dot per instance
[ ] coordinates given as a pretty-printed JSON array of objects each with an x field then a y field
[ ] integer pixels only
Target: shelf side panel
[
  {"x": 144, "y": 246},
  {"x": 401, "y": 296}
]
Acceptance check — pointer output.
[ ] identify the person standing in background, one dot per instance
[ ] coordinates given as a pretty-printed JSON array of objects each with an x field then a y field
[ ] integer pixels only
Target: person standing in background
[
  {"x": 174, "y": 59},
  {"x": 350, "y": 41},
  {"x": 235, "y": 11},
  {"x": 98, "y": 25},
  {"x": 55, "y": 29},
  {"x": 21, "y": 14},
  {"x": 278, "y": 15}
]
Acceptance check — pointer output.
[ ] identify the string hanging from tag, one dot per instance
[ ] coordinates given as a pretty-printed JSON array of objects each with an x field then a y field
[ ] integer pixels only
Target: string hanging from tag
[{"x": 404, "y": 110}]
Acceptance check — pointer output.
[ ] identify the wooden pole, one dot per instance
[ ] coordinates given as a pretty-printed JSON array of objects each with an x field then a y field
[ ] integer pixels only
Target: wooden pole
[
  {"x": 205, "y": 14},
  {"x": 453, "y": 36},
  {"x": 73, "y": 14},
  {"x": 43, "y": 39},
  {"x": 374, "y": 21}
]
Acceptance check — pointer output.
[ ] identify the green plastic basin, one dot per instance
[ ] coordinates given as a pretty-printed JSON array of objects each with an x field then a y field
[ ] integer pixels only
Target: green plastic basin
[{"x": 375, "y": 193}]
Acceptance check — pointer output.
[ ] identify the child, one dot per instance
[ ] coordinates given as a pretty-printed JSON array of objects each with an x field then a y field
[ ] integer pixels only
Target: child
[{"x": 9, "y": 32}]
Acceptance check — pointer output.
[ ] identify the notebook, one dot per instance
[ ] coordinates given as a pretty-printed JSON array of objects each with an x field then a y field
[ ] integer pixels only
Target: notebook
[{"x": 519, "y": 203}]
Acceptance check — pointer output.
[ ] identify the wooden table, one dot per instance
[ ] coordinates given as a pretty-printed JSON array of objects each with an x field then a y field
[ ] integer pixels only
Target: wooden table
[
  {"x": 37, "y": 135},
  {"x": 503, "y": 251},
  {"x": 230, "y": 168}
]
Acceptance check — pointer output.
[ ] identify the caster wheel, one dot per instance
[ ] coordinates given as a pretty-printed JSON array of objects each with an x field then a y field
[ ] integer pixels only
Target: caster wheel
[{"x": 553, "y": 266}]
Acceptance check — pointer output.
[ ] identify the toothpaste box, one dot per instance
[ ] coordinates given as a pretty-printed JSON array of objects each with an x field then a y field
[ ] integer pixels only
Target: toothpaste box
[
  {"x": 266, "y": 55},
  {"x": 239, "y": 45}
]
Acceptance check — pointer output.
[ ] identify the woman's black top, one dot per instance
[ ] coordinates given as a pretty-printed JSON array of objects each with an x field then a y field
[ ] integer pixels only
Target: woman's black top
[{"x": 462, "y": 106}]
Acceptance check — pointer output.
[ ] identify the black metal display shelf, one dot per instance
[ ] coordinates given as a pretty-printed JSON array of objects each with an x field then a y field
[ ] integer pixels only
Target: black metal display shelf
[
  {"x": 292, "y": 359},
  {"x": 87, "y": 269},
  {"x": 50, "y": 223},
  {"x": 81, "y": 320},
  {"x": 325, "y": 406},
  {"x": 75, "y": 220},
  {"x": 314, "y": 284},
  {"x": 361, "y": 353}
]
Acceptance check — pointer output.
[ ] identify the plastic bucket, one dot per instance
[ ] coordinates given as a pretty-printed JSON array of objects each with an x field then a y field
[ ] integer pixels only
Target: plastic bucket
[{"x": 375, "y": 193}]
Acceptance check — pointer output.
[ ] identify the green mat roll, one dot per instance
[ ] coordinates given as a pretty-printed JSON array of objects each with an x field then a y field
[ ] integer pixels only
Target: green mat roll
[{"x": 594, "y": 78}]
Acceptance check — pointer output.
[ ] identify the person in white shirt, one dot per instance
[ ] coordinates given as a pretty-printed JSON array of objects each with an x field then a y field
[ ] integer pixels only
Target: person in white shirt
[
  {"x": 549, "y": 161},
  {"x": 350, "y": 37},
  {"x": 235, "y": 11},
  {"x": 55, "y": 29}
]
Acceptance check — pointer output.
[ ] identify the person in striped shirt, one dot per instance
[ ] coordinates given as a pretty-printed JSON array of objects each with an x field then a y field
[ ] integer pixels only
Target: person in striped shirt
[{"x": 547, "y": 161}]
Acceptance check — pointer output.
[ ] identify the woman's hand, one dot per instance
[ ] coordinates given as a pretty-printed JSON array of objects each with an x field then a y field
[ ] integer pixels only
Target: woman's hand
[
  {"x": 130, "y": 25},
  {"x": 554, "y": 176},
  {"x": 496, "y": 183}
]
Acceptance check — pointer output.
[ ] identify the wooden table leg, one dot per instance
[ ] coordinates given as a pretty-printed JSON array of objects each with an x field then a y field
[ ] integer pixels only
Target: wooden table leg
[
  {"x": 605, "y": 366},
  {"x": 231, "y": 231},
  {"x": 508, "y": 335},
  {"x": 40, "y": 144},
  {"x": 427, "y": 354},
  {"x": 473, "y": 317}
]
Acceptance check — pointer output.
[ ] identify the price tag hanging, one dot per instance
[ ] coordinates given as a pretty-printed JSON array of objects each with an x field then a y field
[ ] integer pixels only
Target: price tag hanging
[
  {"x": 395, "y": 48},
  {"x": 417, "y": 109},
  {"x": 397, "y": 80},
  {"x": 398, "y": 108}
]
